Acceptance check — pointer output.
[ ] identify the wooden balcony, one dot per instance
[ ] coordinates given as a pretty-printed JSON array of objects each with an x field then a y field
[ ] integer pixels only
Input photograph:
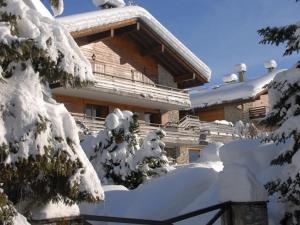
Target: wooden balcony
[
  {"x": 135, "y": 92},
  {"x": 176, "y": 136},
  {"x": 146, "y": 91},
  {"x": 257, "y": 112},
  {"x": 188, "y": 132}
]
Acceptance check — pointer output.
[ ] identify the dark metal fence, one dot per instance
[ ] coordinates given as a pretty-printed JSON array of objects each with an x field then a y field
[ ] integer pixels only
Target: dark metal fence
[{"x": 84, "y": 219}]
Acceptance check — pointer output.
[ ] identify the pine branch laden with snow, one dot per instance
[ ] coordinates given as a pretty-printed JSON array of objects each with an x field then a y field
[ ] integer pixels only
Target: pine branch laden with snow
[
  {"x": 279, "y": 35},
  {"x": 285, "y": 116},
  {"x": 116, "y": 154},
  {"x": 57, "y": 7},
  {"x": 40, "y": 155}
]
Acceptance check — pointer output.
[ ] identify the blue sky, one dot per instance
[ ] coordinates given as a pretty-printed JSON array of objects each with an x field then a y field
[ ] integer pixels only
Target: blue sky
[{"x": 221, "y": 32}]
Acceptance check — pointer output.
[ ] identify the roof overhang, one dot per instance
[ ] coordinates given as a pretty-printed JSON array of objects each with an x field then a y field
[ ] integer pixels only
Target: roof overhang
[{"x": 152, "y": 38}]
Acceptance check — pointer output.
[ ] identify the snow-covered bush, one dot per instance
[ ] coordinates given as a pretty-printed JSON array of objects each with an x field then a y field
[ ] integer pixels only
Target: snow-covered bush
[
  {"x": 40, "y": 155},
  {"x": 117, "y": 156}
]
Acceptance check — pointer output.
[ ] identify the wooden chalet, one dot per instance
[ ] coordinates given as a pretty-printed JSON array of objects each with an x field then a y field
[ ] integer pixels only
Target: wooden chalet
[{"x": 138, "y": 66}]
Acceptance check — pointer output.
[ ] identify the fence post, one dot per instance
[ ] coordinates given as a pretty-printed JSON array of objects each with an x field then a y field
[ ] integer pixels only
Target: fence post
[{"x": 246, "y": 213}]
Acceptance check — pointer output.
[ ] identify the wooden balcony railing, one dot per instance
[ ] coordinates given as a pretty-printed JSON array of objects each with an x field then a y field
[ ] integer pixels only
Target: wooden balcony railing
[
  {"x": 189, "y": 131},
  {"x": 211, "y": 127},
  {"x": 175, "y": 135},
  {"x": 257, "y": 112},
  {"x": 120, "y": 81}
]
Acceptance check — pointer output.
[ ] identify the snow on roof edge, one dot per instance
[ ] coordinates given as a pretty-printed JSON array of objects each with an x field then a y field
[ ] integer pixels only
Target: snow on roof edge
[
  {"x": 78, "y": 22},
  {"x": 239, "y": 91}
]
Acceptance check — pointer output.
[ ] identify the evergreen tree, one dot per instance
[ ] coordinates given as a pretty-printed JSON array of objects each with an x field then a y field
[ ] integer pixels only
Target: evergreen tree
[
  {"x": 40, "y": 156},
  {"x": 117, "y": 156},
  {"x": 284, "y": 93},
  {"x": 151, "y": 159}
]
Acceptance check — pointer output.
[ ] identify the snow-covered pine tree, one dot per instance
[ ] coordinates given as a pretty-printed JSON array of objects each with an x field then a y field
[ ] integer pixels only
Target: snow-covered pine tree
[
  {"x": 117, "y": 156},
  {"x": 284, "y": 94},
  {"x": 151, "y": 158},
  {"x": 40, "y": 155},
  {"x": 112, "y": 150}
]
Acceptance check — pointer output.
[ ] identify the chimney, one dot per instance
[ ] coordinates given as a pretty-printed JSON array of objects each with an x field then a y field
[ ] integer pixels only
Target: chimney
[
  {"x": 230, "y": 78},
  {"x": 241, "y": 69},
  {"x": 270, "y": 65}
]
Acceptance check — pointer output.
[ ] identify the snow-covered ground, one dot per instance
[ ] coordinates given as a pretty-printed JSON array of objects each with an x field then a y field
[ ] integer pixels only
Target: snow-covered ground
[{"x": 236, "y": 171}]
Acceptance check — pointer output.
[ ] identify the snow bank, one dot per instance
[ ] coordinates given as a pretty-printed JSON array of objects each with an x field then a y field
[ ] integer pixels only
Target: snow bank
[
  {"x": 237, "y": 183},
  {"x": 20, "y": 220},
  {"x": 162, "y": 197},
  {"x": 55, "y": 210},
  {"x": 195, "y": 186}
]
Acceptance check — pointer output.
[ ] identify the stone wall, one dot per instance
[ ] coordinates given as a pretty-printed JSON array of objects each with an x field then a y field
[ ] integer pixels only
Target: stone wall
[
  {"x": 180, "y": 155},
  {"x": 252, "y": 213},
  {"x": 169, "y": 116}
]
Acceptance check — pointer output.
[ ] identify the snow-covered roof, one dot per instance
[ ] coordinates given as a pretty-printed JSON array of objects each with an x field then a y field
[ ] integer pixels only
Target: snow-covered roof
[
  {"x": 84, "y": 21},
  {"x": 231, "y": 92}
]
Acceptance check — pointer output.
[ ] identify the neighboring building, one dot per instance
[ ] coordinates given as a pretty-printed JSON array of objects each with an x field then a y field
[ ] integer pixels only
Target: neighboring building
[
  {"x": 236, "y": 99},
  {"x": 139, "y": 66}
]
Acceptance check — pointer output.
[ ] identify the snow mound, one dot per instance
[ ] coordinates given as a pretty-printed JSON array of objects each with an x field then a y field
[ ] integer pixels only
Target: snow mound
[
  {"x": 238, "y": 184},
  {"x": 20, "y": 220},
  {"x": 162, "y": 197},
  {"x": 195, "y": 186},
  {"x": 55, "y": 210}
]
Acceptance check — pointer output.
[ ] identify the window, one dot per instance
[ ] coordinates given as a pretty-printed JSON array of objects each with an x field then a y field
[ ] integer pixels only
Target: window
[
  {"x": 194, "y": 156},
  {"x": 96, "y": 111}
]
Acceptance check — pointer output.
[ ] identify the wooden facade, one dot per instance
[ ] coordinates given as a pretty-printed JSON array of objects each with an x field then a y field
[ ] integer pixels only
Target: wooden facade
[{"x": 121, "y": 57}]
